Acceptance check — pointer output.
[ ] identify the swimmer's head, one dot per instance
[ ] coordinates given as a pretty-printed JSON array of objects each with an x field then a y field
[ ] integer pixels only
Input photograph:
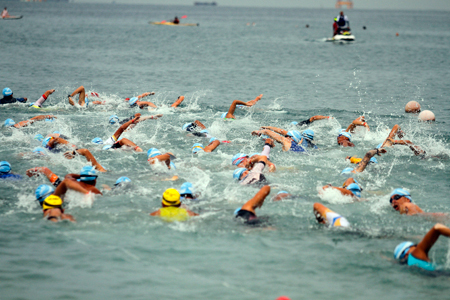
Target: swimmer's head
[
  {"x": 39, "y": 151},
  {"x": 282, "y": 192},
  {"x": 237, "y": 210},
  {"x": 122, "y": 180},
  {"x": 308, "y": 134},
  {"x": 133, "y": 101},
  {"x": 46, "y": 140},
  {"x": 294, "y": 123},
  {"x": 400, "y": 192},
  {"x": 295, "y": 135},
  {"x": 7, "y": 92},
  {"x": 9, "y": 123},
  {"x": 355, "y": 189},
  {"x": 43, "y": 191},
  {"x": 172, "y": 165},
  {"x": 223, "y": 115},
  {"x": 52, "y": 201},
  {"x": 106, "y": 147},
  {"x": 171, "y": 197},
  {"x": 346, "y": 134},
  {"x": 373, "y": 160},
  {"x": 39, "y": 137},
  {"x": 238, "y": 158},
  {"x": 97, "y": 141},
  {"x": 187, "y": 190},
  {"x": 5, "y": 167},
  {"x": 401, "y": 250},
  {"x": 347, "y": 171},
  {"x": 238, "y": 173},
  {"x": 113, "y": 119},
  {"x": 88, "y": 173},
  {"x": 152, "y": 152},
  {"x": 187, "y": 126},
  {"x": 212, "y": 140},
  {"x": 197, "y": 147}
]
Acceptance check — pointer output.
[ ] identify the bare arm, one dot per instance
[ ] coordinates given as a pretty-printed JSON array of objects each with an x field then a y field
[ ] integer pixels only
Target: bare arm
[
  {"x": 53, "y": 178},
  {"x": 124, "y": 126},
  {"x": 178, "y": 102},
  {"x": 276, "y": 129},
  {"x": 363, "y": 164},
  {"x": 357, "y": 122},
  {"x": 143, "y": 104},
  {"x": 424, "y": 246},
  {"x": 69, "y": 184},
  {"x": 128, "y": 143},
  {"x": 145, "y": 95},
  {"x": 212, "y": 146},
  {"x": 257, "y": 200},
  {"x": 48, "y": 93},
  {"x": 199, "y": 124},
  {"x": 318, "y": 117},
  {"x": 416, "y": 149},
  {"x": 90, "y": 158},
  {"x": 280, "y": 139},
  {"x": 232, "y": 108}
]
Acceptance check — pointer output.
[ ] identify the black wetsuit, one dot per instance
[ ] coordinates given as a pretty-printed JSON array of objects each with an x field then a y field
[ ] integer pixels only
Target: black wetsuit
[{"x": 11, "y": 99}]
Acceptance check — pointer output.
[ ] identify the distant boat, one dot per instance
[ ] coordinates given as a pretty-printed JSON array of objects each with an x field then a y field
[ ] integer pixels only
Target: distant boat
[{"x": 206, "y": 3}]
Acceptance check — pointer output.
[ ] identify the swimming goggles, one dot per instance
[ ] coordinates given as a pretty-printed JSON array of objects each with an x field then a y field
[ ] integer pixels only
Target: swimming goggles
[{"x": 395, "y": 197}]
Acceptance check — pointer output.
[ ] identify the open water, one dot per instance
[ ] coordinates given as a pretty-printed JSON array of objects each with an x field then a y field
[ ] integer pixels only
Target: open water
[{"x": 117, "y": 251}]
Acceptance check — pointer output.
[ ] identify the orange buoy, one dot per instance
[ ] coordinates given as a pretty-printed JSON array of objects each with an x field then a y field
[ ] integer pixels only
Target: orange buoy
[
  {"x": 427, "y": 115},
  {"x": 412, "y": 107}
]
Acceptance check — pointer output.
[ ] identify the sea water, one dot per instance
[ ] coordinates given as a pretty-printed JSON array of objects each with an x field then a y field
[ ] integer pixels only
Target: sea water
[{"x": 115, "y": 250}]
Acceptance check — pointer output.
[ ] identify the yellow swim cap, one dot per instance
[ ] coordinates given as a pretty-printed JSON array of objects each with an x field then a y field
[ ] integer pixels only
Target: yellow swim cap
[
  {"x": 52, "y": 201},
  {"x": 171, "y": 197},
  {"x": 355, "y": 160}
]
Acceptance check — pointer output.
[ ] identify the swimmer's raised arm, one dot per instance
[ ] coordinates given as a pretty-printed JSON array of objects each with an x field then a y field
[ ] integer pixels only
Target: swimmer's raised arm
[
  {"x": 212, "y": 146},
  {"x": 286, "y": 143},
  {"x": 145, "y": 95},
  {"x": 357, "y": 122},
  {"x": 276, "y": 129},
  {"x": 416, "y": 149},
  {"x": 53, "y": 178},
  {"x": 318, "y": 117},
  {"x": 424, "y": 246},
  {"x": 178, "y": 102},
  {"x": 258, "y": 200},
  {"x": 90, "y": 158},
  {"x": 124, "y": 126},
  {"x": 363, "y": 164},
  {"x": 69, "y": 184},
  {"x": 143, "y": 104}
]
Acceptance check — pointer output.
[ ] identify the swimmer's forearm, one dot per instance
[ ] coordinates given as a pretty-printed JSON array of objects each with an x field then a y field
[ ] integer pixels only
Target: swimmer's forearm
[{"x": 275, "y": 129}]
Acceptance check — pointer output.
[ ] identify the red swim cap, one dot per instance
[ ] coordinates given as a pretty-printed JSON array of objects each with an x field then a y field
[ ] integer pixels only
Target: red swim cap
[{"x": 283, "y": 298}]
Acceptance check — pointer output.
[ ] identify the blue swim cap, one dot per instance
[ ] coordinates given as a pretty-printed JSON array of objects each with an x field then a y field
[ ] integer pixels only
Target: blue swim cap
[
  {"x": 340, "y": 130},
  {"x": 238, "y": 172},
  {"x": 204, "y": 131},
  {"x": 113, "y": 119},
  {"x": 346, "y": 134},
  {"x": 308, "y": 134},
  {"x": 106, "y": 147},
  {"x": 122, "y": 179},
  {"x": 197, "y": 147},
  {"x": 373, "y": 160},
  {"x": 56, "y": 132},
  {"x": 379, "y": 146},
  {"x": 88, "y": 173},
  {"x": 43, "y": 191},
  {"x": 46, "y": 140},
  {"x": 172, "y": 165},
  {"x": 295, "y": 135},
  {"x": 282, "y": 192},
  {"x": 152, "y": 152},
  {"x": 223, "y": 115},
  {"x": 133, "y": 101},
  {"x": 186, "y": 126},
  {"x": 97, "y": 141},
  {"x": 238, "y": 158},
  {"x": 347, "y": 171},
  {"x": 212, "y": 140},
  {"x": 5, "y": 167},
  {"x": 401, "y": 249},
  {"x": 401, "y": 192},
  {"x": 9, "y": 123},
  {"x": 7, "y": 92},
  {"x": 40, "y": 151},
  {"x": 39, "y": 137},
  {"x": 294, "y": 123},
  {"x": 355, "y": 189},
  {"x": 237, "y": 210},
  {"x": 186, "y": 188}
]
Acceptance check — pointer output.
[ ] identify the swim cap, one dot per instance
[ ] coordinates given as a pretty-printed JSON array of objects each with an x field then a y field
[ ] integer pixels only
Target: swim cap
[
  {"x": 122, "y": 179},
  {"x": 294, "y": 123},
  {"x": 346, "y": 134},
  {"x": 48, "y": 120},
  {"x": 106, "y": 147},
  {"x": 152, "y": 152},
  {"x": 7, "y": 92},
  {"x": 223, "y": 115},
  {"x": 43, "y": 191},
  {"x": 52, "y": 201},
  {"x": 237, "y": 210},
  {"x": 186, "y": 126},
  {"x": 308, "y": 134},
  {"x": 355, "y": 189},
  {"x": 5, "y": 167},
  {"x": 238, "y": 158},
  {"x": 172, "y": 165},
  {"x": 379, "y": 146},
  {"x": 295, "y": 135},
  {"x": 373, "y": 160},
  {"x": 56, "y": 131},
  {"x": 238, "y": 173},
  {"x": 401, "y": 249},
  {"x": 212, "y": 140},
  {"x": 133, "y": 101},
  {"x": 347, "y": 171},
  {"x": 401, "y": 192},
  {"x": 186, "y": 188},
  {"x": 40, "y": 151},
  {"x": 113, "y": 119},
  {"x": 197, "y": 147},
  {"x": 97, "y": 141},
  {"x": 9, "y": 123},
  {"x": 204, "y": 131},
  {"x": 88, "y": 173},
  {"x": 171, "y": 197},
  {"x": 39, "y": 137},
  {"x": 282, "y": 192}
]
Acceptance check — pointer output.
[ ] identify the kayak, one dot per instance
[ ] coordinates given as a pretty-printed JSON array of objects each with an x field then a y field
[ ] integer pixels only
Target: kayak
[
  {"x": 12, "y": 18},
  {"x": 342, "y": 38},
  {"x": 173, "y": 24}
]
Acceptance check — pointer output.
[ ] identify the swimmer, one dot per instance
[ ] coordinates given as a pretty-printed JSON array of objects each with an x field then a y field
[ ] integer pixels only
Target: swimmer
[
  {"x": 8, "y": 97},
  {"x": 40, "y": 101},
  {"x": 326, "y": 216},
  {"x": 154, "y": 156},
  {"x": 230, "y": 113},
  {"x": 389, "y": 142},
  {"x": 5, "y": 172},
  {"x": 122, "y": 143},
  {"x": 143, "y": 104},
  {"x": 171, "y": 210},
  {"x": 83, "y": 101},
  {"x": 360, "y": 121},
  {"x": 115, "y": 119},
  {"x": 364, "y": 162},
  {"x": 401, "y": 201},
  {"x": 247, "y": 211},
  {"x": 349, "y": 188},
  {"x": 120, "y": 183},
  {"x": 213, "y": 144},
  {"x": 281, "y": 195},
  {"x": 290, "y": 140},
  {"x": 257, "y": 164},
  {"x": 241, "y": 160},
  {"x": 345, "y": 139},
  {"x": 87, "y": 177},
  {"x": 194, "y": 126},
  {"x": 417, "y": 254},
  {"x": 310, "y": 120},
  {"x": 10, "y": 122},
  {"x": 187, "y": 191}
]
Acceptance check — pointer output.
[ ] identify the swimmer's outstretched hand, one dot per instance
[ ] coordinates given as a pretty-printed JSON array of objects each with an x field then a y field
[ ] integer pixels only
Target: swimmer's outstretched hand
[
  {"x": 270, "y": 143},
  {"x": 71, "y": 101},
  {"x": 256, "y": 132},
  {"x": 379, "y": 151},
  {"x": 136, "y": 117},
  {"x": 69, "y": 154},
  {"x": 253, "y": 102}
]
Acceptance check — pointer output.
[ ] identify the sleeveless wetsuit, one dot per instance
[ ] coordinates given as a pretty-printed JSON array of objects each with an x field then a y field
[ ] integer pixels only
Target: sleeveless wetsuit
[
  {"x": 172, "y": 214},
  {"x": 255, "y": 175},
  {"x": 426, "y": 265}
]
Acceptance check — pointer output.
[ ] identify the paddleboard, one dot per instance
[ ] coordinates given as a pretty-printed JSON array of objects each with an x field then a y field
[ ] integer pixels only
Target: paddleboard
[
  {"x": 13, "y": 18},
  {"x": 173, "y": 24}
]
